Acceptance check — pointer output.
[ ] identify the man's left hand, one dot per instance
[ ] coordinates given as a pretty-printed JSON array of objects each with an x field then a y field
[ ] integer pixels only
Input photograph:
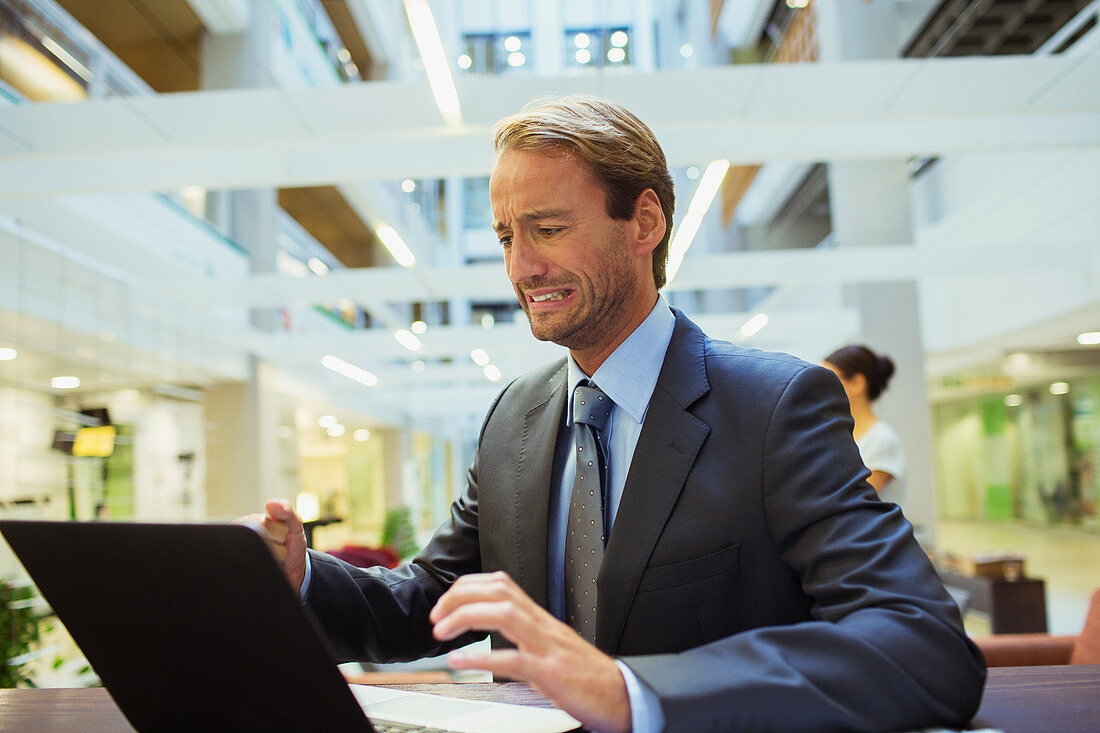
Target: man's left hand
[{"x": 578, "y": 677}]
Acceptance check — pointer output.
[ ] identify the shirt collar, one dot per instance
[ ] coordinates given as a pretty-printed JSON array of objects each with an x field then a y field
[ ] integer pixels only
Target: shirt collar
[{"x": 629, "y": 375}]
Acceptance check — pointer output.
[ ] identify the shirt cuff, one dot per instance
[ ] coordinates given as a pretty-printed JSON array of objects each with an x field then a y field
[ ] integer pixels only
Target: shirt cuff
[
  {"x": 303, "y": 592},
  {"x": 645, "y": 707}
]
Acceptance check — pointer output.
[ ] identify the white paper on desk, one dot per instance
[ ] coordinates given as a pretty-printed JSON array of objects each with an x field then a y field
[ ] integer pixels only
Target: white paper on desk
[{"x": 463, "y": 716}]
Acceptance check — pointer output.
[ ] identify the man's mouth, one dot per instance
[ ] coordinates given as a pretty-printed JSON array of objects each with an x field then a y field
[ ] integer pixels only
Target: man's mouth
[{"x": 555, "y": 295}]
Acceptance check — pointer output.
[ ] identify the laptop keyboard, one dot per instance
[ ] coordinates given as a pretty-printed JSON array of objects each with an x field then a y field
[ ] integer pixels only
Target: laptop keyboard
[{"x": 385, "y": 726}]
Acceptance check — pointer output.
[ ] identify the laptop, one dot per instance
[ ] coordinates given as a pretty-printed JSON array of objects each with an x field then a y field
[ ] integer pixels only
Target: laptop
[{"x": 194, "y": 627}]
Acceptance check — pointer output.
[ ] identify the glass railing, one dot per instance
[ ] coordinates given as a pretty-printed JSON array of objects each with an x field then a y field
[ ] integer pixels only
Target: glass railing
[{"x": 56, "y": 36}]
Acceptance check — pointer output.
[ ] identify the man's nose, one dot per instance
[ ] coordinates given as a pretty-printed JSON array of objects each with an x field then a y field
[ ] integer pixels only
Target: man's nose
[{"x": 524, "y": 259}]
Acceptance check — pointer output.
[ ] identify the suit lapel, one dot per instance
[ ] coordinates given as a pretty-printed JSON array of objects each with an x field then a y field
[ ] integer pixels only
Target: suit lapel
[
  {"x": 534, "y": 467},
  {"x": 667, "y": 446}
]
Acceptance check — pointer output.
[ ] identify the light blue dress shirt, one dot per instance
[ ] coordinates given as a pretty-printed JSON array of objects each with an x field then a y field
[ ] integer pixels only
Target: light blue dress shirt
[{"x": 628, "y": 377}]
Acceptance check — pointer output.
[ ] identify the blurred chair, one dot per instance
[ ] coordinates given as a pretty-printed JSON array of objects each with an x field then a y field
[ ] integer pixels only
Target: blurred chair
[
  {"x": 1026, "y": 650},
  {"x": 365, "y": 557}
]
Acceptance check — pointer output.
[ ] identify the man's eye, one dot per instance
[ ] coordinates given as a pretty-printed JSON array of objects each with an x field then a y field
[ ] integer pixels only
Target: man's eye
[
  {"x": 549, "y": 231},
  {"x": 505, "y": 240}
]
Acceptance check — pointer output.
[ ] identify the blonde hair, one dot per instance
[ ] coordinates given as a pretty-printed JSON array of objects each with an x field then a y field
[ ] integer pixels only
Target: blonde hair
[{"x": 621, "y": 151}]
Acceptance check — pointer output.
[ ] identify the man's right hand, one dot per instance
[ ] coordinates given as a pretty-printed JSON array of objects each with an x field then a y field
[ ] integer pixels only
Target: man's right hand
[{"x": 282, "y": 528}]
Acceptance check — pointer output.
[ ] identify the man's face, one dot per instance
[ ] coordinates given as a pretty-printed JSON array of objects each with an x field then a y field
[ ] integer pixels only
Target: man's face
[{"x": 567, "y": 259}]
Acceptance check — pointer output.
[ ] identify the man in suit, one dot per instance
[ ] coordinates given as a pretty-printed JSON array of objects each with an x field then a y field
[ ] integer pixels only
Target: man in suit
[{"x": 740, "y": 573}]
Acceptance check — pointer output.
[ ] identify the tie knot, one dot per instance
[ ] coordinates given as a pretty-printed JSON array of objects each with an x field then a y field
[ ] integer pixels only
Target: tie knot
[{"x": 591, "y": 406}]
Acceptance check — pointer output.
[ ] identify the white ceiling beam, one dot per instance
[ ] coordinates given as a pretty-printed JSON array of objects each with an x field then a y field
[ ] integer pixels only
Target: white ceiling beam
[{"x": 390, "y": 130}]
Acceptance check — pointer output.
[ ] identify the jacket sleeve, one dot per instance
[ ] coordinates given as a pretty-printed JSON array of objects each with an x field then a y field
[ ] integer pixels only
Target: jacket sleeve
[
  {"x": 885, "y": 648},
  {"x": 381, "y": 615}
]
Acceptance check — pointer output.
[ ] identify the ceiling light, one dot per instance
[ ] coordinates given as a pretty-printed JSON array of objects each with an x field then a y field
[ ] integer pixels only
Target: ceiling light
[
  {"x": 318, "y": 266},
  {"x": 343, "y": 55},
  {"x": 396, "y": 245},
  {"x": 407, "y": 339},
  {"x": 480, "y": 357},
  {"x": 693, "y": 172},
  {"x": 464, "y": 61},
  {"x": 283, "y": 431},
  {"x": 7, "y": 354},
  {"x": 426, "y": 34},
  {"x": 512, "y": 43},
  {"x": 1089, "y": 338},
  {"x": 65, "y": 382},
  {"x": 619, "y": 39},
  {"x": 350, "y": 371},
  {"x": 616, "y": 55},
  {"x": 581, "y": 40},
  {"x": 351, "y": 70},
  {"x": 797, "y": 4},
  {"x": 419, "y": 327},
  {"x": 582, "y": 56},
  {"x": 488, "y": 321},
  {"x": 492, "y": 373},
  {"x": 516, "y": 59},
  {"x": 362, "y": 435},
  {"x": 1013, "y": 400},
  {"x": 754, "y": 325},
  {"x": 408, "y": 185},
  {"x": 1058, "y": 388},
  {"x": 687, "y": 51},
  {"x": 327, "y": 421},
  {"x": 337, "y": 430},
  {"x": 697, "y": 209},
  {"x": 418, "y": 366}
]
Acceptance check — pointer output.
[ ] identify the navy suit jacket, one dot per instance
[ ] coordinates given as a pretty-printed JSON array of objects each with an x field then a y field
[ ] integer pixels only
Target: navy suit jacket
[{"x": 752, "y": 579}]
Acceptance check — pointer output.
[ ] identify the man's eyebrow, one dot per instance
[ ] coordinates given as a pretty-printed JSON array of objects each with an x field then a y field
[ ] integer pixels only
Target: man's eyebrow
[{"x": 532, "y": 215}]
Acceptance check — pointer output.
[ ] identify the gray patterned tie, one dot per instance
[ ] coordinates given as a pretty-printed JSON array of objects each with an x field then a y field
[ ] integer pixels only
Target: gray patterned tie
[{"x": 585, "y": 540}]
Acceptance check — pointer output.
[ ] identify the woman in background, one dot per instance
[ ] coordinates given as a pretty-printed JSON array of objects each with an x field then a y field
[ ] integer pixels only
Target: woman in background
[{"x": 865, "y": 375}]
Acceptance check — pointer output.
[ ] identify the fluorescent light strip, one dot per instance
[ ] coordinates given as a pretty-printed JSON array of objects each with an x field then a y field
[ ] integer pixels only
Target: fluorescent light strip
[
  {"x": 705, "y": 192},
  {"x": 435, "y": 60},
  {"x": 350, "y": 371},
  {"x": 396, "y": 245},
  {"x": 407, "y": 339},
  {"x": 754, "y": 325}
]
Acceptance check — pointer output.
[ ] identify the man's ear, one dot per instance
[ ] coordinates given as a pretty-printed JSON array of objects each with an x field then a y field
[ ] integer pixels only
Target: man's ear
[{"x": 649, "y": 222}]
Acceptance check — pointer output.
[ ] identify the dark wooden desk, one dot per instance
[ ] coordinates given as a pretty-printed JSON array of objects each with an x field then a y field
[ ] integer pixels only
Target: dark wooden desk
[{"x": 1016, "y": 700}]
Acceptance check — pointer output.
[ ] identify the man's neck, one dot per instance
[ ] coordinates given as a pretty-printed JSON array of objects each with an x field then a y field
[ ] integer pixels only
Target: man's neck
[{"x": 589, "y": 360}]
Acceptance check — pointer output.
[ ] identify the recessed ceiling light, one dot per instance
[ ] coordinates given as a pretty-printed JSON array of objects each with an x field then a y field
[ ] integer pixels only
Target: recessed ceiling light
[
  {"x": 1088, "y": 338},
  {"x": 65, "y": 382},
  {"x": 1059, "y": 388},
  {"x": 1013, "y": 400},
  {"x": 7, "y": 354}
]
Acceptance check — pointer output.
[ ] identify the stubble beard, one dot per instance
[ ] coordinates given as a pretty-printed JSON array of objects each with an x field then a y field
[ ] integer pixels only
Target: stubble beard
[{"x": 603, "y": 303}]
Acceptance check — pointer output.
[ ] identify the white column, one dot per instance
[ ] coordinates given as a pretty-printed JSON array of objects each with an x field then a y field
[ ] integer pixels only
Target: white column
[{"x": 869, "y": 204}]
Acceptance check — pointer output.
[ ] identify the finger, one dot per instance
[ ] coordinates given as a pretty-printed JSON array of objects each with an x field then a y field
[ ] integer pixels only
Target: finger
[
  {"x": 504, "y": 617},
  {"x": 276, "y": 531},
  {"x": 505, "y": 663},
  {"x": 283, "y": 511},
  {"x": 478, "y": 587}
]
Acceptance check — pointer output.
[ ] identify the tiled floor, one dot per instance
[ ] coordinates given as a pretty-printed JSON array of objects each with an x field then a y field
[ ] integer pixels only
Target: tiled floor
[{"x": 1067, "y": 560}]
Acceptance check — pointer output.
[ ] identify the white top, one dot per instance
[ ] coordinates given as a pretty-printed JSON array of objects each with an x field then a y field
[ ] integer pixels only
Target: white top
[{"x": 880, "y": 448}]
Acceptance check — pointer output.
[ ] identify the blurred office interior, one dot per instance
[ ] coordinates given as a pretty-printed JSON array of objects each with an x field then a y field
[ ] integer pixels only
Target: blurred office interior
[{"x": 245, "y": 247}]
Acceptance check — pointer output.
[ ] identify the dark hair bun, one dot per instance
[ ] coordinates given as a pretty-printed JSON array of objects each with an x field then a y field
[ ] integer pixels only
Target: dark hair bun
[
  {"x": 858, "y": 359},
  {"x": 884, "y": 366}
]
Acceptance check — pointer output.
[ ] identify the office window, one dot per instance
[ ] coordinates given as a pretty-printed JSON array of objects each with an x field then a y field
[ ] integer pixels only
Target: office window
[
  {"x": 497, "y": 53},
  {"x": 595, "y": 48}
]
